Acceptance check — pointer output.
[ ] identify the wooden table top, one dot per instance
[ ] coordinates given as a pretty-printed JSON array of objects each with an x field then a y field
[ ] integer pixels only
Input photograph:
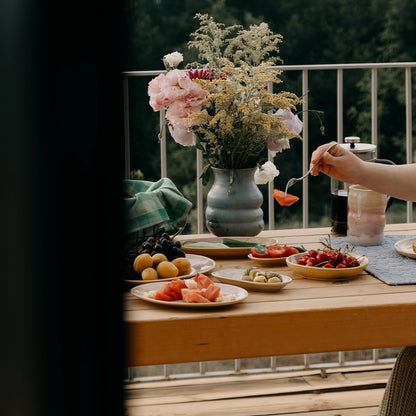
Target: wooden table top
[{"x": 307, "y": 316}]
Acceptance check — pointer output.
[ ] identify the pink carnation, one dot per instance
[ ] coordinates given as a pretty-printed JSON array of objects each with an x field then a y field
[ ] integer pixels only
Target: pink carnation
[{"x": 180, "y": 96}]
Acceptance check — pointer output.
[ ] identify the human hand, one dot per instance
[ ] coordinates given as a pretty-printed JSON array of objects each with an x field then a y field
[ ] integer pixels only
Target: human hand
[{"x": 338, "y": 163}]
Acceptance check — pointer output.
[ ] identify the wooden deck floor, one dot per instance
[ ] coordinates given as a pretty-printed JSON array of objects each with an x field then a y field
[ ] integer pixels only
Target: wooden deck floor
[{"x": 354, "y": 391}]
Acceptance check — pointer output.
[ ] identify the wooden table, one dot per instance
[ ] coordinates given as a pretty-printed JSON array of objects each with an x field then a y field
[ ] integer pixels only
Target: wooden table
[{"x": 307, "y": 316}]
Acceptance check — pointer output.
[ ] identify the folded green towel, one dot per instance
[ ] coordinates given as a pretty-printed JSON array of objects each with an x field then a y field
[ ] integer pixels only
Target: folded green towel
[{"x": 153, "y": 206}]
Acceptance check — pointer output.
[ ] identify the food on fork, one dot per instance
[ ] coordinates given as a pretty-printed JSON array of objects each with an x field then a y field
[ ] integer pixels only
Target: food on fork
[{"x": 284, "y": 199}]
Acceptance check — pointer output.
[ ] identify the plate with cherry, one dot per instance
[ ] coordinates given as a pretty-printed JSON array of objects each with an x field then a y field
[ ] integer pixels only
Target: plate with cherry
[{"x": 327, "y": 264}]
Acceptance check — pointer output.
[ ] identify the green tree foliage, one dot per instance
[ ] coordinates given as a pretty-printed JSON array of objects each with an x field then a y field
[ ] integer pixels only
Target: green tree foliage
[{"x": 314, "y": 32}]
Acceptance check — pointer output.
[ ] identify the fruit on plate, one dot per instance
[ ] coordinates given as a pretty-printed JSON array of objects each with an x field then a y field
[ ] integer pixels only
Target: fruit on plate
[
  {"x": 328, "y": 259},
  {"x": 142, "y": 261},
  {"x": 158, "y": 258},
  {"x": 153, "y": 251},
  {"x": 414, "y": 246},
  {"x": 149, "y": 274},
  {"x": 199, "y": 289},
  {"x": 183, "y": 264},
  {"x": 274, "y": 251},
  {"x": 253, "y": 274},
  {"x": 166, "y": 269},
  {"x": 164, "y": 244}
]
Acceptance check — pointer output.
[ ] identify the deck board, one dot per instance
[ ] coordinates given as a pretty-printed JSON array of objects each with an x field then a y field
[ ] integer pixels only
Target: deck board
[{"x": 342, "y": 392}]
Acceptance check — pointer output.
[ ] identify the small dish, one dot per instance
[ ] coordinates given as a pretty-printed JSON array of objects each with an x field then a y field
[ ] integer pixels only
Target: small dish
[
  {"x": 215, "y": 249},
  {"x": 199, "y": 264},
  {"x": 405, "y": 247},
  {"x": 268, "y": 261},
  {"x": 142, "y": 291},
  {"x": 233, "y": 277},
  {"x": 319, "y": 273}
]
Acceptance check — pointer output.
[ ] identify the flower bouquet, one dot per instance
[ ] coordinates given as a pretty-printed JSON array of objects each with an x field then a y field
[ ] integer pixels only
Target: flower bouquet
[{"x": 223, "y": 105}]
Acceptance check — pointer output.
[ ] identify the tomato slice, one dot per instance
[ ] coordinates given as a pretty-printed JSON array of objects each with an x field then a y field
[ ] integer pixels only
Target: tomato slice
[
  {"x": 259, "y": 251},
  {"x": 279, "y": 196},
  {"x": 276, "y": 251},
  {"x": 290, "y": 250}
]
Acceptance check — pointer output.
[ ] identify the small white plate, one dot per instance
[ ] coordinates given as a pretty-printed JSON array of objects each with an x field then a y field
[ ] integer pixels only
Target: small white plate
[
  {"x": 268, "y": 261},
  {"x": 142, "y": 293},
  {"x": 225, "y": 252},
  {"x": 319, "y": 273},
  {"x": 199, "y": 264},
  {"x": 233, "y": 277},
  {"x": 405, "y": 247}
]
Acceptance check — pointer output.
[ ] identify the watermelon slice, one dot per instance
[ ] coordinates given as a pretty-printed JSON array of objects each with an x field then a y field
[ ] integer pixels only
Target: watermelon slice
[
  {"x": 202, "y": 281},
  {"x": 283, "y": 200},
  {"x": 164, "y": 297},
  {"x": 169, "y": 291},
  {"x": 176, "y": 286},
  {"x": 212, "y": 292},
  {"x": 194, "y": 296}
]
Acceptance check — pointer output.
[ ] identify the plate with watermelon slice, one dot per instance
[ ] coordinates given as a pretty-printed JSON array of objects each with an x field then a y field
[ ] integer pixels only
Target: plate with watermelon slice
[{"x": 197, "y": 292}]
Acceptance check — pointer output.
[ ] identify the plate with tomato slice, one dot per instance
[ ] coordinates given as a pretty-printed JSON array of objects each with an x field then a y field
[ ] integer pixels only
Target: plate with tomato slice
[
  {"x": 273, "y": 255},
  {"x": 333, "y": 266}
]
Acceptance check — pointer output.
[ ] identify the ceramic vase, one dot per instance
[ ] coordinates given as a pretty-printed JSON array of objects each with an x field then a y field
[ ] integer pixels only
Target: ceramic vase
[{"x": 234, "y": 204}]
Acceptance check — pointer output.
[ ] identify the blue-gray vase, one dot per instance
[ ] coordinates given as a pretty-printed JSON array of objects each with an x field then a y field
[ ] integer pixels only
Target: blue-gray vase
[{"x": 234, "y": 204}]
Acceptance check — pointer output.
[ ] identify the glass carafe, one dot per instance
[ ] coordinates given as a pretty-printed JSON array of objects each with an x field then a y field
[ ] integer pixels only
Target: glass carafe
[{"x": 339, "y": 190}]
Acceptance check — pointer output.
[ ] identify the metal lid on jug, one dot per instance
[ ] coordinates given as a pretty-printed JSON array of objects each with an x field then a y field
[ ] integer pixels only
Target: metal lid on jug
[{"x": 364, "y": 151}]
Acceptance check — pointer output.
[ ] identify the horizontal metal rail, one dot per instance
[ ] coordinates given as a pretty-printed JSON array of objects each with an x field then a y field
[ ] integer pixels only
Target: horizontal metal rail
[{"x": 234, "y": 367}]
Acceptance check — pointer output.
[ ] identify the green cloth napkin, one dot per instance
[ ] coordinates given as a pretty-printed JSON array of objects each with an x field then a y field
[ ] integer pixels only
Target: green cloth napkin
[{"x": 153, "y": 206}]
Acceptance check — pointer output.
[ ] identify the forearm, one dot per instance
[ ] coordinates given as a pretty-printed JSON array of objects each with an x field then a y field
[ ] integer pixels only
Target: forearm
[{"x": 398, "y": 181}]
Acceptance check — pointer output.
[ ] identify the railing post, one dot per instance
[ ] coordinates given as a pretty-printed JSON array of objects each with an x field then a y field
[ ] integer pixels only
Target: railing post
[
  {"x": 409, "y": 138},
  {"x": 305, "y": 149},
  {"x": 270, "y": 185},
  {"x": 340, "y": 106},
  {"x": 374, "y": 113},
  {"x": 162, "y": 141},
  {"x": 199, "y": 193},
  {"x": 126, "y": 127}
]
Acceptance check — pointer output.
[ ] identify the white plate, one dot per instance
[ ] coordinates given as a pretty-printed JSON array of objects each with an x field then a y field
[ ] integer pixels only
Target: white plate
[
  {"x": 268, "y": 261},
  {"x": 405, "y": 247},
  {"x": 318, "y": 273},
  {"x": 199, "y": 264},
  {"x": 226, "y": 252},
  {"x": 233, "y": 276},
  {"x": 142, "y": 290}
]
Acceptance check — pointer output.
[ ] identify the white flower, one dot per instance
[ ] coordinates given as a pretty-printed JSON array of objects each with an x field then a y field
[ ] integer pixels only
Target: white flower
[
  {"x": 266, "y": 173},
  {"x": 292, "y": 121},
  {"x": 172, "y": 60}
]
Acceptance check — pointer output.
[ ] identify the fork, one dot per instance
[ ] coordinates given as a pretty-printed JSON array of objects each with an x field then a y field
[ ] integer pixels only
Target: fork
[{"x": 292, "y": 181}]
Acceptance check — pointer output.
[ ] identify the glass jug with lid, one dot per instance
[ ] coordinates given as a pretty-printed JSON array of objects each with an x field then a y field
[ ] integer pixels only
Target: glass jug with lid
[{"x": 339, "y": 190}]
